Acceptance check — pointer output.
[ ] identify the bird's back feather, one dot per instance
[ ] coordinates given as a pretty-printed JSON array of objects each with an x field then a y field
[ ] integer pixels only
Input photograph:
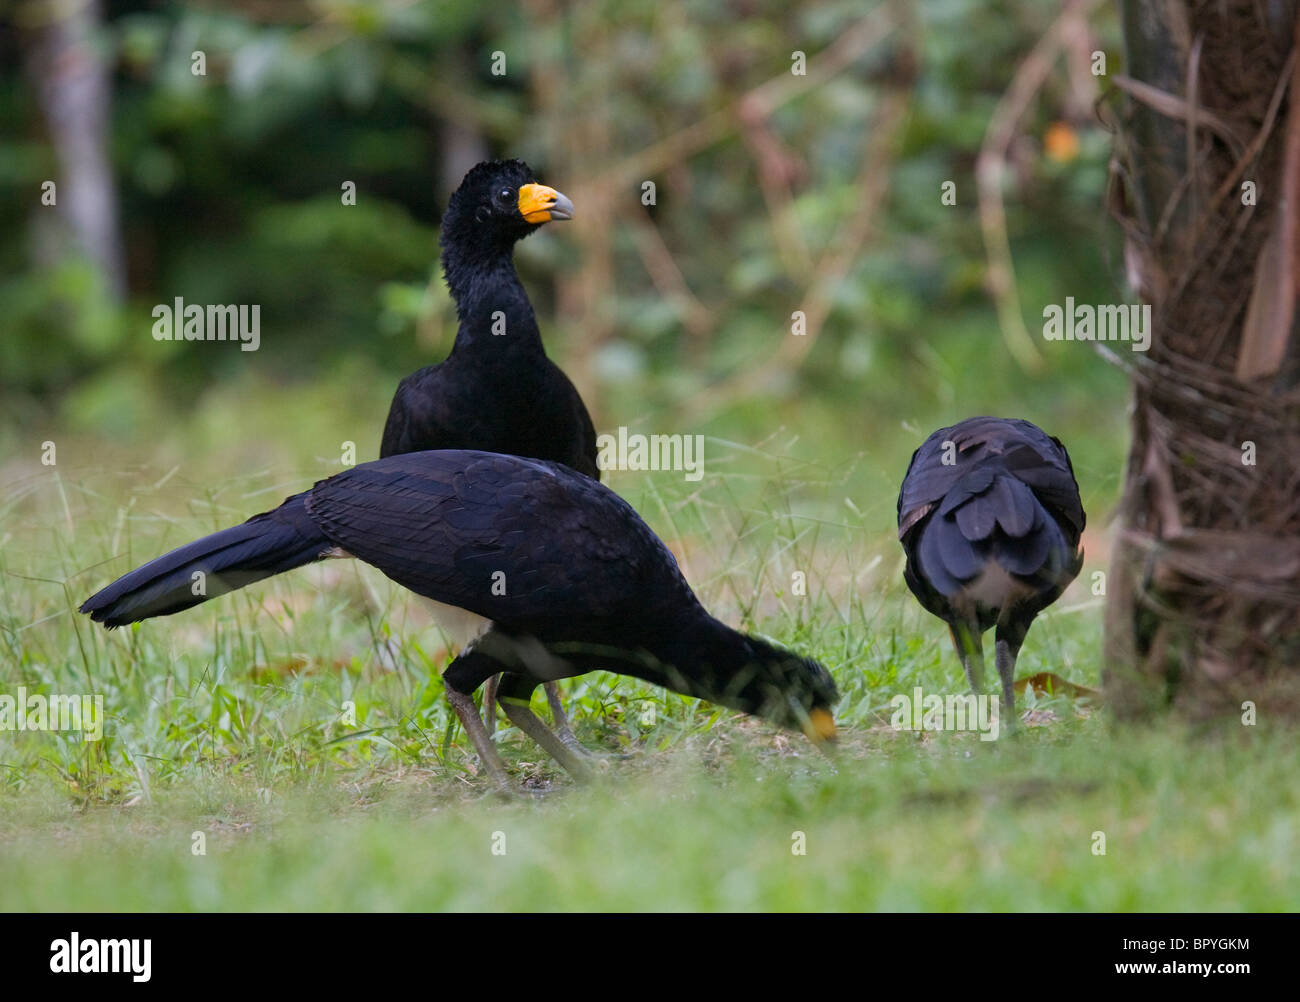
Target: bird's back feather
[{"x": 998, "y": 524}]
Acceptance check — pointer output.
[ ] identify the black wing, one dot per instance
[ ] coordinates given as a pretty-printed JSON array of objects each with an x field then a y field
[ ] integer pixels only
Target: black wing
[
  {"x": 1015, "y": 446},
  {"x": 1007, "y": 497},
  {"x": 582, "y": 446},
  {"x": 512, "y": 539},
  {"x": 413, "y": 420},
  {"x": 458, "y": 404}
]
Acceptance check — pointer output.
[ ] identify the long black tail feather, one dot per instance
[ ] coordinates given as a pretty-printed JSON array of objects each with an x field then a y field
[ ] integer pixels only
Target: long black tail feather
[{"x": 265, "y": 545}]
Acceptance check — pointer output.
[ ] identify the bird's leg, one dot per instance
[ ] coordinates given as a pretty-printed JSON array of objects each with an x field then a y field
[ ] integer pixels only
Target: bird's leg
[
  {"x": 970, "y": 649},
  {"x": 462, "y": 677},
  {"x": 1006, "y": 650},
  {"x": 465, "y": 709},
  {"x": 560, "y": 720},
  {"x": 490, "y": 703},
  {"x": 515, "y": 693}
]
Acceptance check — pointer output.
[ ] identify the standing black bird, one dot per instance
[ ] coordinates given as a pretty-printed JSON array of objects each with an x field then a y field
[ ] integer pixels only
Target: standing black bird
[
  {"x": 990, "y": 519},
  {"x": 568, "y": 576},
  {"x": 496, "y": 391}
]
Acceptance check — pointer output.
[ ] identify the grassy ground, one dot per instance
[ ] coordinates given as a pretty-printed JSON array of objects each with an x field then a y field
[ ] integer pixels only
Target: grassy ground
[
  {"x": 898, "y": 824},
  {"x": 297, "y": 730}
]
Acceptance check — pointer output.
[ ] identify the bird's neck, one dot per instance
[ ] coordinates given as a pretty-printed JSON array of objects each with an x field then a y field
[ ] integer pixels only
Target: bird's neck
[
  {"x": 693, "y": 654},
  {"x": 709, "y": 660},
  {"x": 491, "y": 303}
]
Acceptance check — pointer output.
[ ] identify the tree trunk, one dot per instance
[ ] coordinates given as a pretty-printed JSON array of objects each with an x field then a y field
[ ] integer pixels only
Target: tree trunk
[
  {"x": 1204, "y": 597},
  {"x": 71, "y": 74}
]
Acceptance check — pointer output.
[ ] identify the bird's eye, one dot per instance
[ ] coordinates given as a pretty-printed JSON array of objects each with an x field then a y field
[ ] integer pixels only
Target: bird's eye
[{"x": 506, "y": 194}]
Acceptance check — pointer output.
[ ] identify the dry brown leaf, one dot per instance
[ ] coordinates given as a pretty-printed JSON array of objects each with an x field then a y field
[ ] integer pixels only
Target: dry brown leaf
[
  {"x": 1267, "y": 327},
  {"x": 1271, "y": 313},
  {"x": 1047, "y": 683}
]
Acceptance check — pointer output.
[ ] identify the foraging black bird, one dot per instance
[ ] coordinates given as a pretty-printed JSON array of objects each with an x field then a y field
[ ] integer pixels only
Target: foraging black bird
[
  {"x": 990, "y": 519},
  {"x": 496, "y": 391},
  {"x": 567, "y": 574}
]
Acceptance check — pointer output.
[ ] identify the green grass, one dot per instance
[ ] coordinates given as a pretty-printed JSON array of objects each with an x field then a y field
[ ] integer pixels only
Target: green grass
[
  {"x": 1204, "y": 822},
  {"x": 232, "y": 720}
]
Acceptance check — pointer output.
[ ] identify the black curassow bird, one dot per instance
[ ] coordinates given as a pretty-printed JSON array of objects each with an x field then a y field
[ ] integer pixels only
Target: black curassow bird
[
  {"x": 990, "y": 519},
  {"x": 569, "y": 576},
  {"x": 496, "y": 391}
]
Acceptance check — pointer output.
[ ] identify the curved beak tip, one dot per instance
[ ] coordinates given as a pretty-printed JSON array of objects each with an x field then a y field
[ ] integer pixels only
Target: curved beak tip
[{"x": 562, "y": 209}]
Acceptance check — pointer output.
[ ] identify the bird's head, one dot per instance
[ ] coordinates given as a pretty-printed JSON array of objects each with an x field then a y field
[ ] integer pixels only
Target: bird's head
[
  {"x": 500, "y": 202},
  {"x": 785, "y": 688},
  {"x": 796, "y": 692}
]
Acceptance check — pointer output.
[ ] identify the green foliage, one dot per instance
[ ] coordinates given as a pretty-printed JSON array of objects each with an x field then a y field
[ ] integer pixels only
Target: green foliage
[{"x": 230, "y": 189}]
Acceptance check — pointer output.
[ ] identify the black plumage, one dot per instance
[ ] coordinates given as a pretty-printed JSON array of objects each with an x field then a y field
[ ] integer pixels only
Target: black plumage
[
  {"x": 570, "y": 578},
  {"x": 267, "y": 544},
  {"x": 990, "y": 519},
  {"x": 496, "y": 391}
]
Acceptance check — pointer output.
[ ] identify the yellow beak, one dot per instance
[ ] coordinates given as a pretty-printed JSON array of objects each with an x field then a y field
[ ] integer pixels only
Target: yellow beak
[
  {"x": 540, "y": 204},
  {"x": 821, "y": 725}
]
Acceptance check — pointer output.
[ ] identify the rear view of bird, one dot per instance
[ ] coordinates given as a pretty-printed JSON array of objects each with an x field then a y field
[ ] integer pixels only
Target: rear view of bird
[
  {"x": 566, "y": 575},
  {"x": 496, "y": 391},
  {"x": 990, "y": 519}
]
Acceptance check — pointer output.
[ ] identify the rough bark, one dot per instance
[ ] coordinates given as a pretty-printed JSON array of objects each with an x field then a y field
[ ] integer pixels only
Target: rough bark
[{"x": 1204, "y": 597}]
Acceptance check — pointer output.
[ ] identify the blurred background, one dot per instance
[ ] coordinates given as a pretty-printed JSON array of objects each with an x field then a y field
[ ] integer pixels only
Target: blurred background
[
  {"x": 774, "y": 191},
  {"x": 919, "y": 179}
]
